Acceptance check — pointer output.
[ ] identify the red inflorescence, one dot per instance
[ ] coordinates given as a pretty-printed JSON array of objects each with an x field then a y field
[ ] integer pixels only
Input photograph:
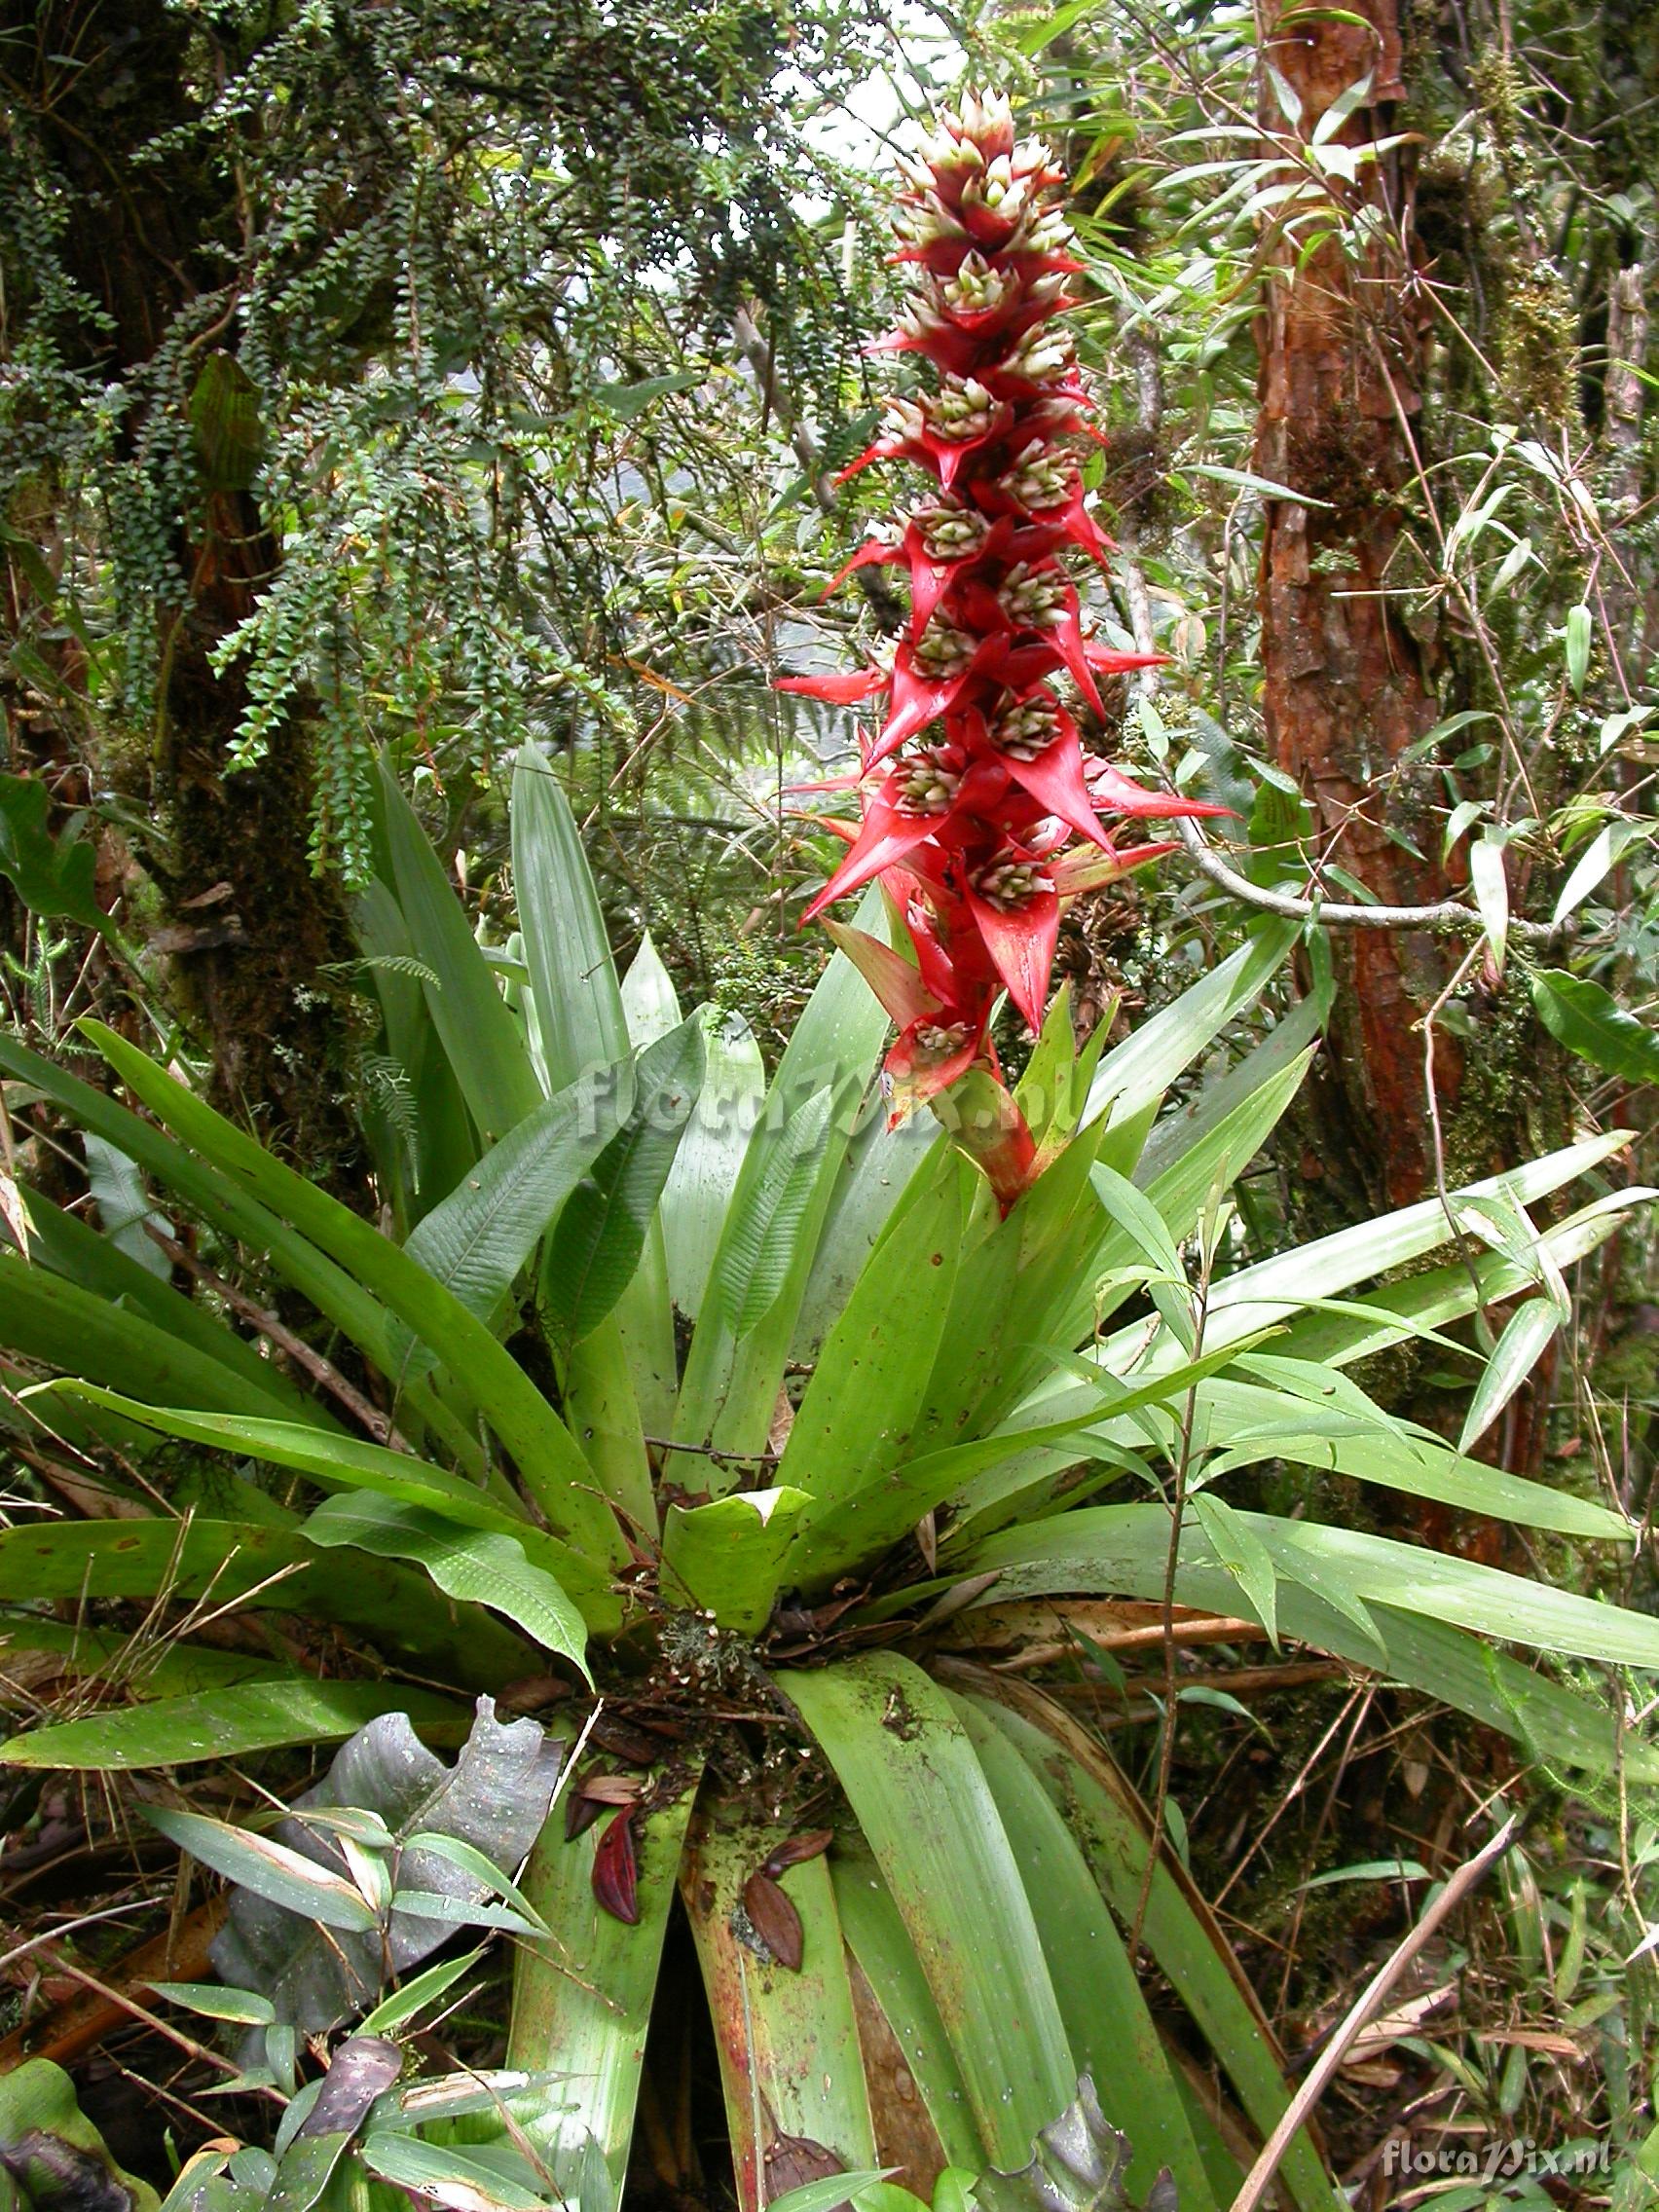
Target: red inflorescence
[{"x": 976, "y": 786}]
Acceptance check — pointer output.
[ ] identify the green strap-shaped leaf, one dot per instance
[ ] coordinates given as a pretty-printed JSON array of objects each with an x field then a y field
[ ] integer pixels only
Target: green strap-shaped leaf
[
  {"x": 483, "y": 1039},
  {"x": 578, "y": 1003},
  {"x": 1107, "y": 2022},
  {"x": 1434, "y": 1616},
  {"x": 927, "y": 1812},
  {"x": 787, "y": 2040},
  {"x": 264, "y": 1567},
  {"x": 582, "y": 2002},
  {"x": 706, "y": 1167},
  {"x": 548, "y": 1459},
  {"x": 881, "y": 1944},
  {"x": 481, "y": 1566},
  {"x": 868, "y": 1386},
  {"x": 596, "y": 1247},
  {"x": 224, "y": 1724},
  {"x": 1103, "y": 1814}
]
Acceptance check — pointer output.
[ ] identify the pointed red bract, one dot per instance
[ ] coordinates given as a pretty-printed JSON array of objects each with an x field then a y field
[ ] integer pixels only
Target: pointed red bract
[
  {"x": 976, "y": 776},
  {"x": 616, "y": 1871}
]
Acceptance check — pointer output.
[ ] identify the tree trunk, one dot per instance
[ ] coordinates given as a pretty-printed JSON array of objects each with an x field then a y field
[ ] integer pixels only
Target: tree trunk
[
  {"x": 1349, "y": 686},
  {"x": 244, "y": 921}
]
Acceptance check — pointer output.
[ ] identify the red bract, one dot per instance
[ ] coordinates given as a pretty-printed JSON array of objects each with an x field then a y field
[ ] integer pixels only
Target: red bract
[{"x": 976, "y": 781}]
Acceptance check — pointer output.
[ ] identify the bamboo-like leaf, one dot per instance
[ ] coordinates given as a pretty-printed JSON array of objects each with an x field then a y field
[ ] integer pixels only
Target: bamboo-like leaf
[
  {"x": 493, "y": 2177},
  {"x": 600, "y": 1233},
  {"x": 922, "y": 1800},
  {"x": 1110, "y": 2030},
  {"x": 1492, "y": 895},
  {"x": 479, "y": 1566},
  {"x": 1238, "y": 1548},
  {"x": 224, "y": 1724},
  {"x": 1588, "y": 1020},
  {"x": 1527, "y": 1335},
  {"x": 547, "y": 1457},
  {"x": 582, "y": 2000},
  {"x": 483, "y": 1041},
  {"x": 787, "y": 2039},
  {"x": 1136, "y": 1073},
  {"x": 271, "y": 1869}
]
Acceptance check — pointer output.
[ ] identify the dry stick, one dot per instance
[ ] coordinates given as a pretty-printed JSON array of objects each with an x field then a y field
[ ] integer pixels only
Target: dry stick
[
  {"x": 1364, "y": 2010},
  {"x": 322, "y": 1371}
]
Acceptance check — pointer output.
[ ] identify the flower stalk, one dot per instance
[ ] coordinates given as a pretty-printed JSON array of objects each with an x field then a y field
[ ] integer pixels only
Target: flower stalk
[{"x": 980, "y": 813}]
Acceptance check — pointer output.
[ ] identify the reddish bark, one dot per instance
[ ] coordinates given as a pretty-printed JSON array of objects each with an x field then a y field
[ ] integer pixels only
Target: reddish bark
[{"x": 1348, "y": 686}]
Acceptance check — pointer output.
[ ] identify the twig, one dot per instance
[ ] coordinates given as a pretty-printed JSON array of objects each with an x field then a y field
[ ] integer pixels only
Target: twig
[
  {"x": 322, "y": 1372},
  {"x": 1365, "y": 2009}
]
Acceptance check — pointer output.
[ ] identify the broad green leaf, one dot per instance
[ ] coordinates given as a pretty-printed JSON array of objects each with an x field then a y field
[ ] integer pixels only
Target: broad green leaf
[
  {"x": 474, "y": 1243},
  {"x": 582, "y": 2002},
  {"x": 1176, "y": 1132},
  {"x": 51, "y": 876},
  {"x": 872, "y": 1373},
  {"x": 1526, "y": 1335},
  {"x": 224, "y": 1724},
  {"x": 264, "y": 1567},
  {"x": 479, "y": 1566},
  {"x": 47, "y": 2138},
  {"x": 1584, "y": 1017},
  {"x": 1112, "y": 1827},
  {"x": 578, "y": 1003},
  {"x": 881, "y": 1942},
  {"x": 650, "y": 1004},
  {"x": 925, "y": 1807},
  {"x": 595, "y": 1248},
  {"x": 271, "y": 1869},
  {"x": 790, "y": 2060},
  {"x": 706, "y": 1167},
  {"x": 548, "y": 1459},
  {"x": 1111, "y": 2032},
  {"x": 727, "y": 1558},
  {"x": 485, "y": 1043}
]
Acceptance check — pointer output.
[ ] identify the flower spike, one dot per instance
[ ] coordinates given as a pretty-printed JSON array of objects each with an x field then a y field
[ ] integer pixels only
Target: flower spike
[{"x": 977, "y": 777}]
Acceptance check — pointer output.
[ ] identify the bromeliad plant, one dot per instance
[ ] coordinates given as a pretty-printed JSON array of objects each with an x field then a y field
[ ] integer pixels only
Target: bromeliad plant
[
  {"x": 983, "y": 782},
  {"x": 759, "y": 1418}
]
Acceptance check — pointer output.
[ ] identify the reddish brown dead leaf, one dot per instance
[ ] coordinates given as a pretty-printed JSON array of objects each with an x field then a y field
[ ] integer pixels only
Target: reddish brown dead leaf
[
  {"x": 796, "y": 1851},
  {"x": 774, "y": 1920},
  {"x": 616, "y": 1871}
]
